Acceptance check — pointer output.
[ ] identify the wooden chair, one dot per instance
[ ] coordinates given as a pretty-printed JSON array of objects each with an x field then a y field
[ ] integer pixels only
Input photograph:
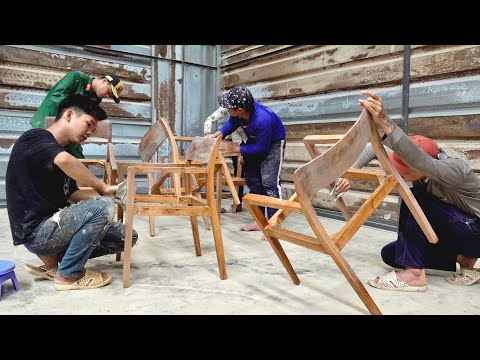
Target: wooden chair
[
  {"x": 319, "y": 173},
  {"x": 108, "y": 164},
  {"x": 200, "y": 159},
  {"x": 155, "y": 136}
]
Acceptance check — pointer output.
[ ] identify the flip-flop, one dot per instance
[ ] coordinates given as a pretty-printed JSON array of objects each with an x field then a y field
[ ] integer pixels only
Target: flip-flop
[
  {"x": 466, "y": 278},
  {"x": 391, "y": 282},
  {"x": 91, "y": 280},
  {"x": 41, "y": 271}
]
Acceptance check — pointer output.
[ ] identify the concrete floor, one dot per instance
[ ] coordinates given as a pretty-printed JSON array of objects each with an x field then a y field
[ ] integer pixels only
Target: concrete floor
[{"x": 167, "y": 278}]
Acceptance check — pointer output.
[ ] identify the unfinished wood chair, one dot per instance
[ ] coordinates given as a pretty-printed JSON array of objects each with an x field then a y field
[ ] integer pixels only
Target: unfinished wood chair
[
  {"x": 319, "y": 173},
  {"x": 200, "y": 159},
  {"x": 223, "y": 177},
  {"x": 108, "y": 164},
  {"x": 155, "y": 136}
]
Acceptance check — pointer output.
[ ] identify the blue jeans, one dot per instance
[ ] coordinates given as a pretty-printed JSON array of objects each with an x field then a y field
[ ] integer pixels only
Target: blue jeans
[
  {"x": 457, "y": 231},
  {"x": 80, "y": 232},
  {"x": 262, "y": 174}
]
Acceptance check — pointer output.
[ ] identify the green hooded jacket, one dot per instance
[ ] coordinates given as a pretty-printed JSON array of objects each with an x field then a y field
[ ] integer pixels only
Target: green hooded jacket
[{"x": 74, "y": 82}]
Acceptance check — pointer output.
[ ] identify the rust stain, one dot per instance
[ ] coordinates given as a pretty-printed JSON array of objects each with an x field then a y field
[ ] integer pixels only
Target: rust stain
[
  {"x": 162, "y": 50},
  {"x": 113, "y": 109},
  {"x": 296, "y": 91},
  {"x": 162, "y": 110},
  {"x": 331, "y": 51},
  {"x": 360, "y": 56},
  {"x": 6, "y": 144},
  {"x": 171, "y": 96},
  {"x": 472, "y": 154}
]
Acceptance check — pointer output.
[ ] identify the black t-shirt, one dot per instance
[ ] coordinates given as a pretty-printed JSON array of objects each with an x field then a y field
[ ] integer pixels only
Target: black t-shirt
[{"x": 36, "y": 188}]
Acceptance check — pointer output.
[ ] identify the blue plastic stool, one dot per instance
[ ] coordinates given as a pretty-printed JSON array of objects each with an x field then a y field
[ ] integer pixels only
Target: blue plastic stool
[{"x": 6, "y": 272}]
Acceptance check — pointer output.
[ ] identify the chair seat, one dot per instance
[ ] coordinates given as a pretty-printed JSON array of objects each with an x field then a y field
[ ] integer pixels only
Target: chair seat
[{"x": 6, "y": 266}]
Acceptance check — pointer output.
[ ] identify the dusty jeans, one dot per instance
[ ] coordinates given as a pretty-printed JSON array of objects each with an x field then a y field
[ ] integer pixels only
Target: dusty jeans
[
  {"x": 80, "y": 232},
  {"x": 262, "y": 174}
]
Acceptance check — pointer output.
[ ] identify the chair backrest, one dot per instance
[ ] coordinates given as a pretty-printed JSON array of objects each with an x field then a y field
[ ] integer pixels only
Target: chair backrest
[
  {"x": 154, "y": 137},
  {"x": 103, "y": 130},
  {"x": 333, "y": 163},
  {"x": 314, "y": 175},
  {"x": 201, "y": 149}
]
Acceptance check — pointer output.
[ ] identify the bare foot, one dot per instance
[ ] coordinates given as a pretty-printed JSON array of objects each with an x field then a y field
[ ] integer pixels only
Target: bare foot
[
  {"x": 253, "y": 226},
  {"x": 412, "y": 277}
]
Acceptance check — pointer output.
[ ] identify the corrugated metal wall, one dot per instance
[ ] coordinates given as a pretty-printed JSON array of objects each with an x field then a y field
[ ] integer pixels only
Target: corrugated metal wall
[
  {"x": 177, "y": 82},
  {"x": 315, "y": 90}
]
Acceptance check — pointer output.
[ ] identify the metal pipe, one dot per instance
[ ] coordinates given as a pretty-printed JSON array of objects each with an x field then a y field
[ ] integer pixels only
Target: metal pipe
[
  {"x": 405, "y": 101},
  {"x": 406, "y": 87}
]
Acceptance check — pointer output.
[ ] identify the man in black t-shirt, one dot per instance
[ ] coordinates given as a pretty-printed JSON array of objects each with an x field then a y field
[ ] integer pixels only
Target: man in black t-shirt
[{"x": 45, "y": 207}]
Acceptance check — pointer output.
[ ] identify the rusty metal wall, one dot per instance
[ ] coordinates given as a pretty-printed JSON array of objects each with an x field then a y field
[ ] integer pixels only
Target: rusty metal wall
[
  {"x": 315, "y": 90},
  {"x": 178, "y": 82}
]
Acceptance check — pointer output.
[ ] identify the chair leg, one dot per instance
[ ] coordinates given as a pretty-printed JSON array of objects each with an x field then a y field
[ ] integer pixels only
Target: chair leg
[
  {"x": 274, "y": 242},
  {"x": 206, "y": 219},
  {"x": 15, "y": 282},
  {"x": 219, "y": 192},
  {"x": 151, "y": 224},
  {"x": 217, "y": 233},
  {"x": 196, "y": 235},
  {"x": 118, "y": 256},
  {"x": 127, "y": 246},
  {"x": 354, "y": 281}
]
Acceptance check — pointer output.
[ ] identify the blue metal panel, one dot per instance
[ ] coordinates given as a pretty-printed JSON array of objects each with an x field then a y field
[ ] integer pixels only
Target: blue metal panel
[{"x": 447, "y": 97}]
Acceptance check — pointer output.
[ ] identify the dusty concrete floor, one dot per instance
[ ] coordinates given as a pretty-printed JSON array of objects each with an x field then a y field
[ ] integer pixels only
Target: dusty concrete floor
[{"x": 167, "y": 278}]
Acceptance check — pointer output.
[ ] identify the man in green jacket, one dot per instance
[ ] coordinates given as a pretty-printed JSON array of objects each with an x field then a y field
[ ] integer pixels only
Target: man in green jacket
[{"x": 76, "y": 82}]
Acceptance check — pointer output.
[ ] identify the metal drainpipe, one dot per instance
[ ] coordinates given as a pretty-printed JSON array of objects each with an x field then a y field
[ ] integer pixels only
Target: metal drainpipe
[
  {"x": 218, "y": 82},
  {"x": 153, "y": 90},
  {"x": 405, "y": 101},
  {"x": 406, "y": 88},
  {"x": 183, "y": 125}
]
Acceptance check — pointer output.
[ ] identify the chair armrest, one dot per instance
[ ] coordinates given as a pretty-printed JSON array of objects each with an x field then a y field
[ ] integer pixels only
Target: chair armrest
[{"x": 268, "y": 201}]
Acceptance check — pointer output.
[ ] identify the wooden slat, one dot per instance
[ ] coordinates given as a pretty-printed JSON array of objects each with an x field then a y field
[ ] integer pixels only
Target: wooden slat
[
  {"x": 262, "y": 200},
  {"x": 172, "y": 210},
  {"x": 367, "y": 208},
  {"x": 306, "y": 241},
  {"x": 162, "y": 199}
]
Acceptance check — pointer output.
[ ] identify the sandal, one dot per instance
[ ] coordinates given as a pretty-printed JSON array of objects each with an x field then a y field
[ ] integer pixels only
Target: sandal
[
  {"x": 91, "y": 280},
  {"x": 466, "y": 278},
  {"x": 41, "y": 271},
  {"x": 391, "y": 282}
]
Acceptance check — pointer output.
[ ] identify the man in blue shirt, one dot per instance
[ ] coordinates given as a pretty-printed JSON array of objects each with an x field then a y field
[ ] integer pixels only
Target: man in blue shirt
[{"x": 263, "y": 152}]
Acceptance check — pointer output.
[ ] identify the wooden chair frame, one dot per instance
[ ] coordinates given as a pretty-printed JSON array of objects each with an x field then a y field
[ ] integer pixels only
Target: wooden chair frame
[
  {"x": 200, "y": 159},
  {"x": 319, "y": 173}
]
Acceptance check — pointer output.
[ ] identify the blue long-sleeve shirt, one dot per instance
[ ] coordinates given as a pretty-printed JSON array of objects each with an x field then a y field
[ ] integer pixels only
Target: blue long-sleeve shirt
[{"x": 264, "y": 129}]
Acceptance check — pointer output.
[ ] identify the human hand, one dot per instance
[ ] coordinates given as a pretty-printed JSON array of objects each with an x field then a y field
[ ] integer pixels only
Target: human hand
[
  {"x": 110, "y": 190},
  {"x": 374, "y": 105},
  {"x": 340, "y": 187},
  {"x": 240, "y": 160}
]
